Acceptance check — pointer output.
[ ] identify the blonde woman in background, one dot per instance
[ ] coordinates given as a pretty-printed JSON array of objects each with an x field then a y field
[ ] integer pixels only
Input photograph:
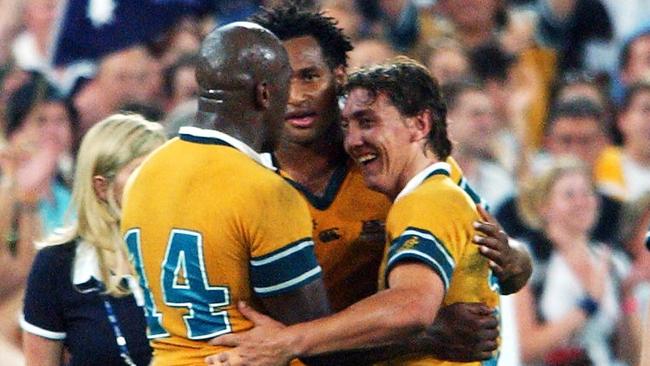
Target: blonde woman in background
[
  {"x": 569, "y": 310},
  {"x": 81, "y": 296}
]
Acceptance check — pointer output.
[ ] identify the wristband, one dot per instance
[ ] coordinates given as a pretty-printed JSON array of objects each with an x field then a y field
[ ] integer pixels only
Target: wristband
[{"x": 588, "y": 305}]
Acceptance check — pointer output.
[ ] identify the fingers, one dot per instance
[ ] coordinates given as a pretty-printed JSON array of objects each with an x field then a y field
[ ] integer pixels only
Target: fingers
[
  {"x": 222, "y": 359},
  {"x": 487, "y": 228},
  {"x": 490, "y": 323},
  {"x": 218, "y": 359},
  {"x": 477, "y": 308},
  {"x": 228, "y": 340},
  {"x": 488, "y": 241},
  {"x": 486, "y": 216}
]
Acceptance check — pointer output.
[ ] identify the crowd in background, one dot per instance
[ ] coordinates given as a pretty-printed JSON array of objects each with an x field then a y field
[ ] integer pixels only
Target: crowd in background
[{"x": 548, "y": 105}]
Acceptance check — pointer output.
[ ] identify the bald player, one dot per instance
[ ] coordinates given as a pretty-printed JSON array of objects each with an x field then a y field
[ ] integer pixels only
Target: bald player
[{"x": 209, "y": 222}]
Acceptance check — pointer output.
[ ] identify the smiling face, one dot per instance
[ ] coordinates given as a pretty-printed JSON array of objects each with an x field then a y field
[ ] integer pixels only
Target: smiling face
[
  {"x": 572, "y": 203},
  {"x": 312, "y": 108},
  {"x": 49, "y": 123},
  {"x": 380, "y": 140}
]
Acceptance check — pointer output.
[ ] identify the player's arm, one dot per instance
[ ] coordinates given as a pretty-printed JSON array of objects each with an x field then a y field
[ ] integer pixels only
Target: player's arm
[
  {"x": 306, "y": 303},
  {"x": 461, "y": 332},
  {"x": 406, "y": 308},
  {"x": 509, "y": 260}
]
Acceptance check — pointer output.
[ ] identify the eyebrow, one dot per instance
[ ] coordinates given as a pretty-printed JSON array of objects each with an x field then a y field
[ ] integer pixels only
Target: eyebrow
[
  {"x": 363, "y": 112},
  {"x": 307, "y": 70}
]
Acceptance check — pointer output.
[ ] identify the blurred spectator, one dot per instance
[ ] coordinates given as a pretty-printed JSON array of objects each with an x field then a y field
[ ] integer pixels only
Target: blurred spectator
[
  {"x": 182, "y": 115},
  {"x": 576, "y": 84},
  {"x": 130, "y": 75},
  {"x": 11, "y": 355},
  {"x": 575, "y": 129},
  {"x": 480, "y": 25},
  {"x": 634, "y": 60},
  {"x": 12, "y": 79},
  {"x": 40, "y": 132},
  {"x": 573, "y": 85},
  {"x": 473, "y": 127},
  {"x": 517, "y": 88},
  {"x": 625, "y": 171},
  {"x": 367, "y": 52},
  {"x": 181, "y": 40},
  {"x": 81, "y": 295},
  {"x": 34, "y": 196},
  {"x": 569, "y": 26},
  {"x": 31, "y": 47},
  {"x": 11, "y": 22},
  {"x": 447, "y": 61},
  {"x": 180, "y": 82},
  {"x": 151, "y": 112},
  {"x": 346, "y": 14},
  {"x": 569, "y": 310},
  {"x": 627, "y": 16},
  {"x": 401, "y": 23}
]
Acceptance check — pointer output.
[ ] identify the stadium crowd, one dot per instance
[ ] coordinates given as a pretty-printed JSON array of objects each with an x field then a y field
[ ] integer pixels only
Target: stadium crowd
[{"x": 548, "y": 109}]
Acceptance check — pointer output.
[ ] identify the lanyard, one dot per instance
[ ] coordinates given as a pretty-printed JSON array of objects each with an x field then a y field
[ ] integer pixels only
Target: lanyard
[{"x": 119, "y": 338}]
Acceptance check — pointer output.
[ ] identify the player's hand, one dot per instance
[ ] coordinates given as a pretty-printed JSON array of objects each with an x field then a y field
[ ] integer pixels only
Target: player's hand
[
  {"x": 262, "y": 345},
  {"x": 464, "y": 332},
  {"x": 508, "y": 260}
]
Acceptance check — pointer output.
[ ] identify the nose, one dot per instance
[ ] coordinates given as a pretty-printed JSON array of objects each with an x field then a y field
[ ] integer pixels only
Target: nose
[
  {"x": 296, "y": 94},
  {"x": 352, "y": 137}
]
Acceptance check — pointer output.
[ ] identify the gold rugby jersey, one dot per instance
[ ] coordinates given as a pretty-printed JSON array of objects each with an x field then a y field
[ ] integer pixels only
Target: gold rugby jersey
[
  {"x": 208, "y": 225},
  {"x": 431, "y": 222}
]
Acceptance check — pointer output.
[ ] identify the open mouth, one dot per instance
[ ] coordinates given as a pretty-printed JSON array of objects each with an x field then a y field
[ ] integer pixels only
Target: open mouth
[
  {"x": 366, "y": 159},
  {"x": 301, "y": 120}
]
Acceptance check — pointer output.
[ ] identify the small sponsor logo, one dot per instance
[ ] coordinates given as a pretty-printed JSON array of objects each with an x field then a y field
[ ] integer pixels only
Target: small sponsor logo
[{"x": 329, "y": 235}]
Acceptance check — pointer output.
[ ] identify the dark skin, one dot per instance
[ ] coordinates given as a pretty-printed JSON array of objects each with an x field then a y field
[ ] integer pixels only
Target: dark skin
[
  {"x": 243, "y": 77},
  {"x": 303, "y": 151}
]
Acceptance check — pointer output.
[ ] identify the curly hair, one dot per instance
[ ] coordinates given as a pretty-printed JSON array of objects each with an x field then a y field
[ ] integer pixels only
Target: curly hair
[
  {"x": 295, "y": 19},
  {"x": 411, "y": 89}
]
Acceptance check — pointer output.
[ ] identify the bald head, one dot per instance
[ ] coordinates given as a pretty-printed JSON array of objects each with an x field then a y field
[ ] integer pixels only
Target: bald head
[
  {"x": 243, "y": 76},
  {"x": 238, "y": 55}
]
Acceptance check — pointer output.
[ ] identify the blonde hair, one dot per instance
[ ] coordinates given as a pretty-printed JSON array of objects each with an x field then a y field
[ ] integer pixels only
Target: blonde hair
[
  {"x": 106, "y": 148},
  {"x": 535, "y": 192}
]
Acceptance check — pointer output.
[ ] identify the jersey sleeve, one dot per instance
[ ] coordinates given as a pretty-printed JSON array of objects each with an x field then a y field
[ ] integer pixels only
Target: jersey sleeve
[
  {"x": 42, "y": 313},
  {"x": 282, "y": 253},
  {"x": 418, "y": 245},
  {"x": 432, "y": 230}
]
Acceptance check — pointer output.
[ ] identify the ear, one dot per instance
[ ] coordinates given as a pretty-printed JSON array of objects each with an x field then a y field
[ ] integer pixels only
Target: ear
[
  {"x": 262, "y": 95},
  {"x": 421, "y": 125},
  {"x": 100, "y": 185}
]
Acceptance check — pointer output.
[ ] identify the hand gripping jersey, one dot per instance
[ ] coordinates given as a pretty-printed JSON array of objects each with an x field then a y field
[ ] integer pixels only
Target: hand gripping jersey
[
  {"x": 208, "y": 225},
  {"x": 431, "y": 222}
]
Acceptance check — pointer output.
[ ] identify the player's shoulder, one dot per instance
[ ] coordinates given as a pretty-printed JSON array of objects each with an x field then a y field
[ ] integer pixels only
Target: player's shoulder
[{"x": 436, "y": 191}]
